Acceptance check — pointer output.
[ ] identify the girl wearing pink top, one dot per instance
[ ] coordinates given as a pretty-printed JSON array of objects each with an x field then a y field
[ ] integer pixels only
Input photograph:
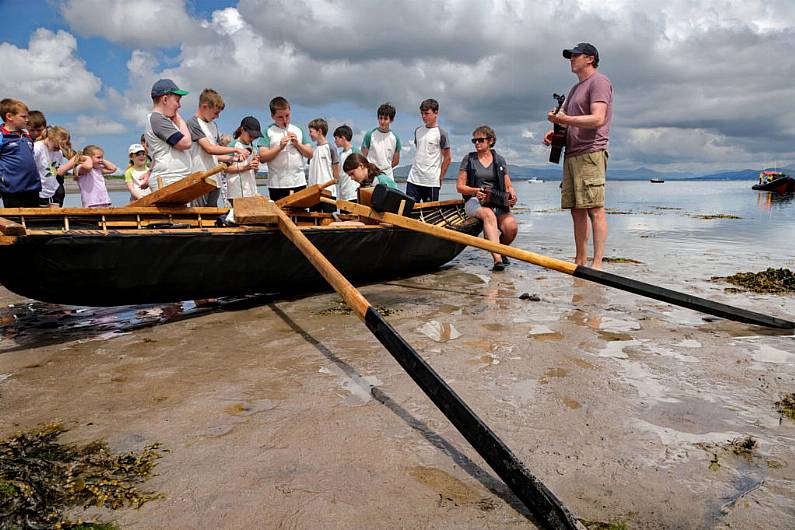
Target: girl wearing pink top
[{"x": 90, "y": 176}]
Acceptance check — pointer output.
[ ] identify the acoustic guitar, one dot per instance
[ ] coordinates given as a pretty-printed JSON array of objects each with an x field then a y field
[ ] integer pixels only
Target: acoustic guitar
[{"x": 559, "y": 134}]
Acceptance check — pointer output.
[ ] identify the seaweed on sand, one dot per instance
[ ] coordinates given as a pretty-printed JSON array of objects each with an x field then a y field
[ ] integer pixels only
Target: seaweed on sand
[
  {"x": 786, "y": 406},
  {"x": 40, "y": 479},
  {"x": 771, "y": 281}
]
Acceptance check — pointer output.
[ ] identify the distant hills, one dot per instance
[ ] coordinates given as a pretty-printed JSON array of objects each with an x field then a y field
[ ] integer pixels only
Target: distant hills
[{"x": 642, "y": 173}]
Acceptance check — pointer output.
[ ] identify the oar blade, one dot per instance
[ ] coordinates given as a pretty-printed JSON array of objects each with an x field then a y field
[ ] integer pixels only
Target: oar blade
[{"x": 681, "y": 299}]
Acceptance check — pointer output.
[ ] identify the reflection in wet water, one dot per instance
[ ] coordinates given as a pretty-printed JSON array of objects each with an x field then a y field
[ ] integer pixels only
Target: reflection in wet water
[{"x": 36, "y": 324}]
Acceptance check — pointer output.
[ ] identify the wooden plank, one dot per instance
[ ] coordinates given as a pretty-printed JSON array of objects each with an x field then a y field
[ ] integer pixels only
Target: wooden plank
[
  {"x": 11, "y": 228},
  {"x": 254, "y": 211},
  {"x": 184, "y": 190},
  {"x": 122, "y": 211},
  {"x": 306, "y": 198}
]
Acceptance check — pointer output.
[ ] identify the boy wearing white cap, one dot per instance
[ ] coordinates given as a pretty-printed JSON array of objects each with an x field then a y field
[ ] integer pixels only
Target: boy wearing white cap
[{"x": 137, "y": 175}]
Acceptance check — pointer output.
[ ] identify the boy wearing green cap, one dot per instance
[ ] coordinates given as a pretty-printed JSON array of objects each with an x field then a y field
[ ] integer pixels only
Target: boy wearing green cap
[{"x": 167, "y": 136}]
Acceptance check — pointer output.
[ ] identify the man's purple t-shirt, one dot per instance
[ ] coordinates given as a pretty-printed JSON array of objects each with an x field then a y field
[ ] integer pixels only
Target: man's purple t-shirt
[{"x": 578, "y": 103}]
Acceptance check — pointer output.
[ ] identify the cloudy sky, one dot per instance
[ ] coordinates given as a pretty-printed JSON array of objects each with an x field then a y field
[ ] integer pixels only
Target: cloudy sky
[{"x": 699, "y": 85}]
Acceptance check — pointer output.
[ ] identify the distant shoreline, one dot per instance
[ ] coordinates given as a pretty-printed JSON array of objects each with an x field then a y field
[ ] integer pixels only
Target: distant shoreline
[{"x": 118, "y": 184}]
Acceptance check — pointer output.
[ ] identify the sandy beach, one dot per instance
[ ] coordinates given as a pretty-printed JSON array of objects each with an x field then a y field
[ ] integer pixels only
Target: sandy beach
[{"x": 287, "y": 413}]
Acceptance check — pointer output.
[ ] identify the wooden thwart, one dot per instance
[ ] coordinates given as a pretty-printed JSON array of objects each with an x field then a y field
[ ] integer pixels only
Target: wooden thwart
[
  {"x": 257, "y": 210},
  {"x": 305, "y": 198},
  {"x": 184, "y": 190},
  {"x": 11, "y": 228}
]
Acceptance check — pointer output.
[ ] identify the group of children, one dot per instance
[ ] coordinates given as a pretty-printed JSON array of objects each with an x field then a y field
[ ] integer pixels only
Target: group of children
[{"x": 34, "y": 158}]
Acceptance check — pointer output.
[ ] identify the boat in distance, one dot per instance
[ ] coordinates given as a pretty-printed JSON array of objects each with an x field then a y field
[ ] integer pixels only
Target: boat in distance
[
  {"x": 657, "y": 181},
  {"x": 125, "y": 256},
  {"x": 775, "y": 181}
]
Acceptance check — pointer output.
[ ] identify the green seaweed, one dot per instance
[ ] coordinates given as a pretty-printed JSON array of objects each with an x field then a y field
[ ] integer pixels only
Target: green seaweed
[
  {"x": 770, "y": 281},
  {"x": 621, "y": 260},
  {"x": 786, "y": 406},
  {"x": 40, "y": 479},
  {"x": 600, "y": 525},
  {"x": 716, "y": 216},
  {"x": 742, "y": 446}
]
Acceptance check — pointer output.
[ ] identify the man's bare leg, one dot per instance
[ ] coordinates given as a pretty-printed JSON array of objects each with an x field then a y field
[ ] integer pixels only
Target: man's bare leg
[
  {"x": 599, "y": 222},
  {"x": 579, "y": 216}
]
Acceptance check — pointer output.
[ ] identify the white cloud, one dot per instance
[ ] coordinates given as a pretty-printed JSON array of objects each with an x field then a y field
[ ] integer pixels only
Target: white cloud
[
  {"x": 48, "y": 75},
  {"x": 135, "y": 23},
  {"x": 95, "y": 125}
]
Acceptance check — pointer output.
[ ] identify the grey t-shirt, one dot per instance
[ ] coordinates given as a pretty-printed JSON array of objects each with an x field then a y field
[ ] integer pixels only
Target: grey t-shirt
[
  {"x": 484, "y": 175},
  {"x": 164, "y": 128}
]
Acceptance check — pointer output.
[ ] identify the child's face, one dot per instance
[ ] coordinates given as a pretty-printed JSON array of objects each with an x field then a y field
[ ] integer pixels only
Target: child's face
[
  {"x": 16, "y": 121},
  {"x": 339, "y": 141},
  {"x": 52, "y": 144},
  {"x": 384, "y": 122},
  {"x": 139, "y": 158},
  {"x": 315, "y": 134},
  {"x": 429, "y": 117},
  {"x": 97, "y": 157},
  {"x": 359, "y": 173},
  {"x": 35, "y": 132},
  {"x": 282, "y": 117},
  {"x": 171, "y": 103},
  {"x": 208, "y": 112}
]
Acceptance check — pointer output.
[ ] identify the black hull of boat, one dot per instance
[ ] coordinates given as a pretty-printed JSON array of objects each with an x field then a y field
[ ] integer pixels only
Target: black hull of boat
[
  {"x": 139, "y": 268},
  {"x": 781, "y": 185}
]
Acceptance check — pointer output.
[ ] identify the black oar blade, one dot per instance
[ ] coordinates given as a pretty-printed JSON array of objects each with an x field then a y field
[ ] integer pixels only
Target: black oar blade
[
  {"x": 681, "y": 299},
  {"x": 544, "y": 505}
]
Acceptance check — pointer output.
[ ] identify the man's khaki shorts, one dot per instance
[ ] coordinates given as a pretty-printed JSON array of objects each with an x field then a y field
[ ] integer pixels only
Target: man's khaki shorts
[{"x": 584, "y": 181}]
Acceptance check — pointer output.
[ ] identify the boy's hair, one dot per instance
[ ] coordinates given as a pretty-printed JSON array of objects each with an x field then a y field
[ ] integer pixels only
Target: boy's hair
[
  {"x": 226, "y": 139},
  {"x": 387, "y": 110},
  {"x": 36, "y": 119},
  {"x": 11, "y": 106},
  {"x": 319, "y": 124},
  {"x": 211, "y": 98},
  {"x": 343, "y": 131},
  {"x": 430, "y": 104},
  {"x": 278, "y": 103}
]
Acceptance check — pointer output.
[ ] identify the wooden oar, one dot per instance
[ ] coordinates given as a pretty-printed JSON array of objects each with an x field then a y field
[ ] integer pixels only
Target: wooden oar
[
  {"x": 605, "y": 278},
  {"x": 538, "y": 498}
]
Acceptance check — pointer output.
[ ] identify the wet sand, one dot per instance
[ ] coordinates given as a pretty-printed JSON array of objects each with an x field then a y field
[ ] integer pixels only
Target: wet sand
[{"x": 289, "y": 414}]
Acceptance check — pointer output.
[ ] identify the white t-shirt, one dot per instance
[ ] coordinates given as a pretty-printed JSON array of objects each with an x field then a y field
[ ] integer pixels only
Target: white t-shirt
[
  {"x": 381, "y": 148},
  {"x": 198, "y": 128},
  {"x": 427, "y": 166},
  {"x": 346, "y": 185},
  {"x": 320, "y": 167},
  {"x": 287, "y": 169},
  {"x": 47, "y": 164},
  {"x": 241, "y": 184}
]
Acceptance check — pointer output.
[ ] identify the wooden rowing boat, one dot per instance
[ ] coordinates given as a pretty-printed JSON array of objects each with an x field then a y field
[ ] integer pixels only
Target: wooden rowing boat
[{"x": 153, "y": 254}]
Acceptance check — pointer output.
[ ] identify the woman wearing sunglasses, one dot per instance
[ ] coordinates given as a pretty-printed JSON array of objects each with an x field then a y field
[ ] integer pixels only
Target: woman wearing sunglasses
[{"x": 480, "y": 172}]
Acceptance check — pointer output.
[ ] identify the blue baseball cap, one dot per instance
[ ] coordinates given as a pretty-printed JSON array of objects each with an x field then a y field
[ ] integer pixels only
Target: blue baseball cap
[
  {"x": 583, "y": 48},
  {"x": 166, "y": 86}
]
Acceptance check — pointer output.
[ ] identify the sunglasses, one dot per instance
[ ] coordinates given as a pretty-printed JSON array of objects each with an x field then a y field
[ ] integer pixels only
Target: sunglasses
[{"x": 478, "y": 140}]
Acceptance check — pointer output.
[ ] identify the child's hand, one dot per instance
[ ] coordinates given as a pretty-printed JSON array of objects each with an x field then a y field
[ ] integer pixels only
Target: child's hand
[
  {"x": 241, "y": 152},
  {"x": 254, "y": 164}
]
